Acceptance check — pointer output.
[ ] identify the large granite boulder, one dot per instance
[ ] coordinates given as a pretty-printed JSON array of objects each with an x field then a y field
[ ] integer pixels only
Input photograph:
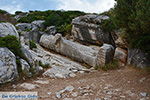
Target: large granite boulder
[
  {"x": 8, "y": 67},
  {"x": 76, "y": 51},
  {"x": 8, "y": 29},
  {"x": 33, "y": 35},
  {"x": 38, "y": 24},
  {"x": 87, "y": 29},
  {"x": 138, "y": 58}
]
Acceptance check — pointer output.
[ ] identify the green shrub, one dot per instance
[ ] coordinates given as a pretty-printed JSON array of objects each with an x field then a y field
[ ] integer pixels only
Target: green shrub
[
  {"x": 134, "y": 17},
  {"x": 60, "y": 19},
  {"x": 12, "y": 43},
  {"x": 32, "y": 44},
  {"x": 111, "y": 66},
  {"x": 44, "y": 65}
]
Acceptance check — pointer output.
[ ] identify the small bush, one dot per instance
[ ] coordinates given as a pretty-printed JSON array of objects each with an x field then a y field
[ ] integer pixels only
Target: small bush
[
  {"x": 44, "y": 65},
  {"x": 32, "y": 44},
  {"x": 3, "y": 11},
  {"x": 13, "y": 44},
  {"x": 113, "y": 65}
]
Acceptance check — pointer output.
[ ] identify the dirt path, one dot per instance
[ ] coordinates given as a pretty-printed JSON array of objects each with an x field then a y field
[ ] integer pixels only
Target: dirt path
[{"x": 123, "y": 84}]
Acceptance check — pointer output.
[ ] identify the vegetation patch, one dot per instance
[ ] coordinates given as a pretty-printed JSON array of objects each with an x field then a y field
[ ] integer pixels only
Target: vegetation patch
[
  {"x": 44, "y": 65},
  {"x": 111, "y": 66},
  {"x": 32, "y": 44},
  {"x": 60, "y": 19}
]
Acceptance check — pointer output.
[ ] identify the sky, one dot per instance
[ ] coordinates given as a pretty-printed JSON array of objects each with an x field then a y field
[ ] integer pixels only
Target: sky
[{"x": 90, "y": 6}]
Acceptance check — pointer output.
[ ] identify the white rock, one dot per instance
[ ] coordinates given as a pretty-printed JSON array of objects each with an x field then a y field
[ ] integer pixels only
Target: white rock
[
  {"x": 29, "y": 86},
  {"x": 69, "y": 88},
  {"x": 41, "y": 82},
  {"x": 75, "y": 94},
  {"x": 143, "y": 94},
  {"x": 67, "y": 99},
  {"x": 8, "y": 67},
  {"x": 8, "y": 29}
]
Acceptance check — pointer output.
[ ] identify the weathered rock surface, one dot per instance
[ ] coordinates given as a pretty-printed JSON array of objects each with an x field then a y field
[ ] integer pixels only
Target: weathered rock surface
[
  {"x": 24, "y": 26},
  {"x": 8, "y": 29},
  {"x": 25, "y": 68},
  {"x": 78, "y": 52},
  {"x": 33, "y": 35},
  {"x": 105, "y": 55},
  {"x": 29, "y": 55},
  {"x": 121, "y": 55},
  {"x": 86, "y": 28},
  {"x": 51, "y": 30},
  {"x": 8, "y": 67},
  {"x": 29, "y": 86},
  {"x": 61, "y": 67},
  {"x": 38, "y": 24},
  {"x": 138, "y": 58}
]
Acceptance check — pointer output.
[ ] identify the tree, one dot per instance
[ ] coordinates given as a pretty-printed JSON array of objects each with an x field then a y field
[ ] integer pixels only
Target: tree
[{"x": 134, "y": 17}]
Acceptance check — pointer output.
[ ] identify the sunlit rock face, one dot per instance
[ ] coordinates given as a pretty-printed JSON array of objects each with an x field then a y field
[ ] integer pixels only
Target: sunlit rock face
[{"x": 87, "y": 29}]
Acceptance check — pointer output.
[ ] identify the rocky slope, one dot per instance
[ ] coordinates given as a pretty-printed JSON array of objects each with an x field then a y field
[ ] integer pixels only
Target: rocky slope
[{"x": 47, "y": 53}]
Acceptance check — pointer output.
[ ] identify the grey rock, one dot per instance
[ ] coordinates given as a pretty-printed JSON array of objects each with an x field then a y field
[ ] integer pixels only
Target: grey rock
[
  {"x": 121, "y": 55},
  {"x": 49, "y": 93},
  {"x": 23, "y": 26},
  {"x": 67, "y": 89},
  {"x": 86, "y": 28},
  {"x": 98, "y": 99},
  {"x": 42, "y": 81},
  {"x": 142, "y": 79},
  {"x": 38, "y": 24},
  {"x": 29, "y": 55},
  {"x": 76, "y": 51},
  {"x": 33, "y": 35},
  {"x": 8, "y": 29},
  {"x": 138, "y": 58},
  {"x": 51, "y": 30},
  {"x": 8, "y": 67},
  {"x": 144, "y": 94},
  {"x": 75, "y": 94},
  {"x": 29, "y": 86},
  {"x": 25, "y": 68},
  {"x": 67, "y": 99},
  {"x": 105, "y": 55}
]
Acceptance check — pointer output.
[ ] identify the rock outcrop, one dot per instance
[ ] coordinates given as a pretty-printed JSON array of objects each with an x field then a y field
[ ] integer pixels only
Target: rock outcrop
[
  {"x": 121, "y": 55},
  {"x": 138, "y": 58},
  {"x": 24, "y": 26},
  {"x": 87, "y": 29},
  {"x": 8, "y": 67},
  {"x": 105, "y": 55},
  {"x": 76, "y": 51},
  {"x": 8, "y": 29},
  {"x": 25, "y": 68}
]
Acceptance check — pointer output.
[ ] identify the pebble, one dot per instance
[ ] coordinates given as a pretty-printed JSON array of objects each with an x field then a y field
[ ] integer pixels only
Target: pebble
[
  {"x": 42, "y": 82},
  {"x": 142, "y": 79},
  {"x": 72, "y": 75},
  {"x": 69, "y": 88},
  {"x": 75, "y": 94},
  {"x": 49, "y": 93},
  {"x": 67, "y": 99},
  {"x": 143, "y": 94}
]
